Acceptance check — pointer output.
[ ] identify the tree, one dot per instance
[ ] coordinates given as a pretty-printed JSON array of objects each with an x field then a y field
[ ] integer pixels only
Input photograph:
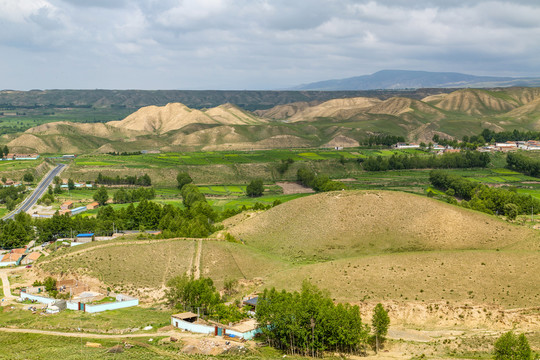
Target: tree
[
  {"x": 187, "y": 293},
  {"x": 183, "y": 178},
  {"x": 50, "y": 284},
  {"x": 71, "y": 184},
  {"x": 5, "y": 151},
  {"x": 28, "y": 177},
  {"x": 512, "y": 347},
  {"x": 255, "y": 188},
  {"x": 511, "y": 211},
  {"x": 380, "y": 322},
  {"x": 101, "y": 196}
]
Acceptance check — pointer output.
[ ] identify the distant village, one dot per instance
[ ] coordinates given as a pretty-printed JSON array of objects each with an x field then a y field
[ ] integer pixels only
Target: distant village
[{"x": 529, "y": 145}]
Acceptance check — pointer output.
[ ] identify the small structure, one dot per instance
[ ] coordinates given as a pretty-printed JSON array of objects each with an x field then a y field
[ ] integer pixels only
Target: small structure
[
  {"x": 400, "y": 145},
  {"x": 30, "y": 258},
  {"x": 188, "y": 321},
  {"x": 78, "y": 210},
  {"x": 11, "y": 259},
  {"x": 251, "y": 303},
  {"x": 92, "y": 206},
  {"x": 85, "y": 237},
  {"x": 122, "y": 301},
  {"x": 67, "y": 205}
]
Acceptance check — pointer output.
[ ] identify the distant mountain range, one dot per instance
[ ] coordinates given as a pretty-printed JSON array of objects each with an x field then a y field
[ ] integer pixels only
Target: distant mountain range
[{"x": 405, "y": 79}]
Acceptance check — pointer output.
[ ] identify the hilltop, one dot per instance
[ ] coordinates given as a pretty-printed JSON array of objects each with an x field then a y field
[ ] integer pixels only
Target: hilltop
[
  {"x": 353, "y": 223},
  {"x": 338, "y": 122},
  {"x": 174, "y": 116}
]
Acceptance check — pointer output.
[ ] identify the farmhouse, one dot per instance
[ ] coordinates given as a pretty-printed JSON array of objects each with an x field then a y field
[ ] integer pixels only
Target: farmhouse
[
  {"x": 11, "y": 259},
  {"x": 30, "y": 258},
  {"x": 92, "y": 206},
  {"x": 189, "y": 321},
  {"x": 67, "y": 205}
]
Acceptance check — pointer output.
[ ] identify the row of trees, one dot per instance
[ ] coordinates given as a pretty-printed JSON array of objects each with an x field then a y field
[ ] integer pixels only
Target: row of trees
[
  {"x": 482, "y": 197},
  {"x": 383, "y": 139},
  {"x": 522, "y": 163},
  {"x": 123, "y": 196},
  {"x": 143, "y": 180},
  {"x": 514, "y": 135},
  {"x": 319, "y": 183},
  {"x": 467, "y": 159},
  {"x": 309, "y": 323}
]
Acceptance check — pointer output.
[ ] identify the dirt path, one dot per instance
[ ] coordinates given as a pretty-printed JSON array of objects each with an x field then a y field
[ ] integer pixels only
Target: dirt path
[
  {"x": 197, "y": 264},
  {"x": 5, "y": 285},
  {"x": 98, "y": 336}
]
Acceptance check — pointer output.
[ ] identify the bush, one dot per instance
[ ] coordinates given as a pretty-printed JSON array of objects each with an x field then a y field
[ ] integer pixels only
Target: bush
[
  {"x": 512, "y": 347},
  {"x": 255, "y": 188}
]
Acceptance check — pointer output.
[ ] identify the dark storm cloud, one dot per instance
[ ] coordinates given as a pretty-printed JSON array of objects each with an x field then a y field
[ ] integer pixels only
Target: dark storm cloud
[{"x": 257, "y": 43}]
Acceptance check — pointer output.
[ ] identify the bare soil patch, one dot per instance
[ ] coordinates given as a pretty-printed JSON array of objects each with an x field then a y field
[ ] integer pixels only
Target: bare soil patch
[{"x": 294, "y": 188}]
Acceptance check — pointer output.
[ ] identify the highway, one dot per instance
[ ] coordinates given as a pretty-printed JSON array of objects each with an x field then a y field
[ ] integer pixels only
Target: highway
[{"x": 38, "y": 192}]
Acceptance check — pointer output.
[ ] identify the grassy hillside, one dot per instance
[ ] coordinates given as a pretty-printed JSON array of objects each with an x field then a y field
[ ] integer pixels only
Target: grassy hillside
[
  {"x": 348, "y": 224},
  {"x": 358, "y": 245}
]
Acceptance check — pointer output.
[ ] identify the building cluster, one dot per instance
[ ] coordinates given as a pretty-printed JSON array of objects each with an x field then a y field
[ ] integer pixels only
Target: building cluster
[
  {"x": 529, "y": 145},
  {"x": 20, "y": 157},
  {"x": 67, "y": 208},
  {"x": 19, "y": 256},
  {"x": 440, "y": 149}
]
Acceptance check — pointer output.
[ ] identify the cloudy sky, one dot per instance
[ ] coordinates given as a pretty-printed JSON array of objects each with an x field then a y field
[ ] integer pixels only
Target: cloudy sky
[{"x": 257, "y": 44}]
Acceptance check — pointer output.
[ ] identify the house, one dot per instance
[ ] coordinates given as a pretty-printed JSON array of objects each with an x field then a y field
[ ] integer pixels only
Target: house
[
  {"x": 189, "y": 321},
  {"x": 30, "y": 258},
  {"x": 11, "y": 259},
  {"x": 505, "y": 146},
  {"x": 84, "y": 238},
  {"x": 19, "y": 251},
  {"x": 251, "y": 303},
  {"x": 67, "y": 205},
  {"x": 92, "y": 205}
]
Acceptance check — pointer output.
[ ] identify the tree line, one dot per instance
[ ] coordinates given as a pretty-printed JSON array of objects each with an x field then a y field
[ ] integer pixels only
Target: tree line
[
  {"x": 515, "y": 135},
  {"x": 310, "y": 323},
  {"x": 143, "y": 180},
  {"x": 483, "y": 198},
  {"x": 123, "y": 196},
  {"x": 522, "y": 163},
  {"x": 383, "y": 139},
  {"x": 467, "y": 159}
]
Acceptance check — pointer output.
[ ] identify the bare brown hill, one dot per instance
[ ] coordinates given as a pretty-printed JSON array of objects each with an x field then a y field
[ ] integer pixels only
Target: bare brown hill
[
  {"x": 337, "y": 109},
  {"x": 351, "y": 223},
  {"x": 476, "y": 102},
  {"x": 174, "y": 116},
  {"x": 280, "y": 112},
  {"x": 398, "y": 106}
]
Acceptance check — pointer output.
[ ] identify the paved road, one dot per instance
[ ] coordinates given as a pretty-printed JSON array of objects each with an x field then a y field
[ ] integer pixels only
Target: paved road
[{"x": 37, "y": 193}]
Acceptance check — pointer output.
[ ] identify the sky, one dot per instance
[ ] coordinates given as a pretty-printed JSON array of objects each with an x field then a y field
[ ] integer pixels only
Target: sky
[{"x": 257, "y": 44}]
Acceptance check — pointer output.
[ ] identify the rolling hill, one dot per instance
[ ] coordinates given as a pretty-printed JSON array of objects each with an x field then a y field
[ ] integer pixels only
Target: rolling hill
[
  {"x": 338, "y": 122},
  {"x": 345, "y": 243},
  {"x": 353, "y": 223}
]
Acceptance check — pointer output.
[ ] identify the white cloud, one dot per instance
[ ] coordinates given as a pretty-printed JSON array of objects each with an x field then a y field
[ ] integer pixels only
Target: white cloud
[{"x": 259, "y": 43}]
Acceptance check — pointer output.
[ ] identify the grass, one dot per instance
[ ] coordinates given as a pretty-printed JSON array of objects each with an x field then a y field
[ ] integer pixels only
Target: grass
[
  {"x": 103, "y": 322},
  {"x": 45, "y": 347},
  {"x": 118, "y": 263}
]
